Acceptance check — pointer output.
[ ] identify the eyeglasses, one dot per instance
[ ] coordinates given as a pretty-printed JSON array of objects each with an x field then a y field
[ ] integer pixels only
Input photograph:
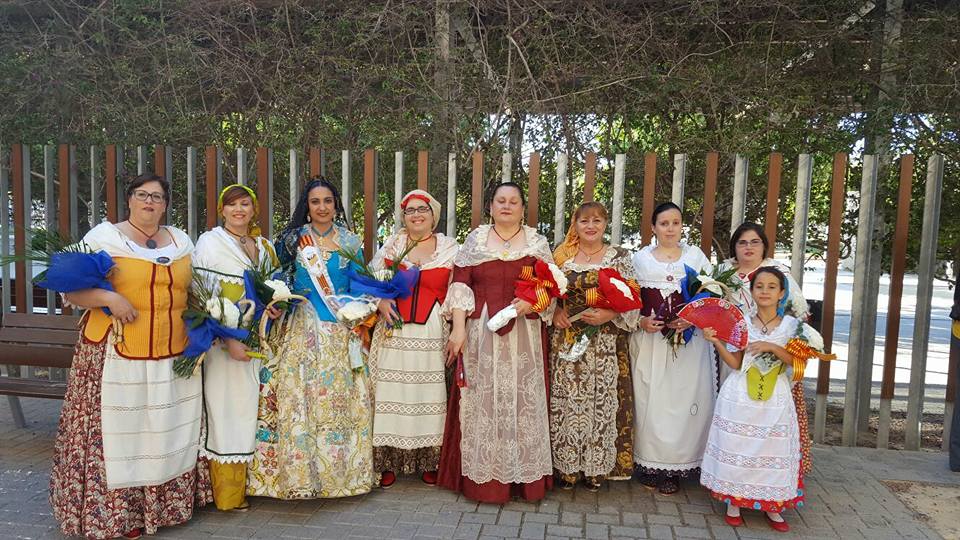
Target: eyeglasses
[
  {"x": 411, "y": 210},
  {"x": 142, "y": 196},
  {"x": 756, "y": 242}
]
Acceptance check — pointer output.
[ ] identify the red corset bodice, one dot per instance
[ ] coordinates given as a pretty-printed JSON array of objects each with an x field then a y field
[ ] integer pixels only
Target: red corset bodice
[{"x": 429, "y": 291}]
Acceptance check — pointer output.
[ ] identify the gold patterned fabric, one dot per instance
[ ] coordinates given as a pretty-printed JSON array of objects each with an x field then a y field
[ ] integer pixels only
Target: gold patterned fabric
[
  {"x": 229, "y": 481},
  {"x": 314, "y": 423},
  {"x": 591, "y": 398}
]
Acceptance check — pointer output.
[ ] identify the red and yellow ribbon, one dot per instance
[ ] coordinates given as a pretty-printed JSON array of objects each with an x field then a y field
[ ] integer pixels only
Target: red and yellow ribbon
[
  {"x": 801, "y": 352},
  {"x": 539, "y": 288}
]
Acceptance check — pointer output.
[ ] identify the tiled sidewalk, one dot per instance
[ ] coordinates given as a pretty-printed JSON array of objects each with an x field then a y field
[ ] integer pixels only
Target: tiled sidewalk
[{"x": 846, "y": 499}]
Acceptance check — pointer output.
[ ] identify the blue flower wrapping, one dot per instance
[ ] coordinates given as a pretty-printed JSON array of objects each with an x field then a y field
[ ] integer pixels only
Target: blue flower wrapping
[
  {"x": 399, "y": 286},
  {"x": 250, "y": 293},
  {"x": 200, "y": 338},
  {"x": 688, "y": 286},
  {"x": 74, "y": 271}
]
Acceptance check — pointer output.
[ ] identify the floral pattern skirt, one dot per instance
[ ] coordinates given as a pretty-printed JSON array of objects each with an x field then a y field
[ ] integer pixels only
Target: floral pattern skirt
[
  {"x": 314, "y": 436},
  {"x": 78, "y": 484}
]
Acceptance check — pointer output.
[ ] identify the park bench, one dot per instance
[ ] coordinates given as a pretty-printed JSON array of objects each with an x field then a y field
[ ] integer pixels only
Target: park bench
[{"x": 35, "y": 341}]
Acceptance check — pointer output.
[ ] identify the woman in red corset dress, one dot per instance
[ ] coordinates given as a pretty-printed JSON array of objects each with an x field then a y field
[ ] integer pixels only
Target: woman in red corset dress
[
  {"x": 496, "y": 442},
  {"x": 406, "y": 362}
]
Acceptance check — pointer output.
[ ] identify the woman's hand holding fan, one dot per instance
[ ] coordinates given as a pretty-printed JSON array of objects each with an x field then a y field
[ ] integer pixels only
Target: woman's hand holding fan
[{"x": 723, "y": 317}]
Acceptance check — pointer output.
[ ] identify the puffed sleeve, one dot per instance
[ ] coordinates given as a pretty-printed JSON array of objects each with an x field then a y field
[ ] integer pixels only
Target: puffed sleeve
[
  {"x": 460, "y": 294},
  {"x": 628, "y": 321}
]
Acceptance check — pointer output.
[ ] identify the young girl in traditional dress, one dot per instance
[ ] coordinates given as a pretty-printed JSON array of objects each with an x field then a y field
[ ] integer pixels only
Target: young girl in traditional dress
[{"x": 753, "y": 453}]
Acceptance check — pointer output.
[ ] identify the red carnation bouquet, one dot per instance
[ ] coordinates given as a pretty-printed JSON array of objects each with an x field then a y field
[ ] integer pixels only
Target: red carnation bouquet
[
  {"x": 538, "y": 285},
  {"x": 613, "y": 291}
]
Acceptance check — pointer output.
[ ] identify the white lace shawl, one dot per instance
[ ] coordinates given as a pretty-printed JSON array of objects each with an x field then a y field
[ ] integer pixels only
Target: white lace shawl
[
  {"x": 780, "y": 336},
  {"x": 443, "y": 256},
  {"x": 217, "y": 250}
]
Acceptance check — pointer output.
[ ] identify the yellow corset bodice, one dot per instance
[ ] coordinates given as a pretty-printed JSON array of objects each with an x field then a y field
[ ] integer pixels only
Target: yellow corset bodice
[{"x": 159, "y": 294}]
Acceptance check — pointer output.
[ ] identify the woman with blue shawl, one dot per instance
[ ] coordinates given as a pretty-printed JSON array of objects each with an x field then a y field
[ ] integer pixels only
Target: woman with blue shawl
[{"x": 314, "y": 423}]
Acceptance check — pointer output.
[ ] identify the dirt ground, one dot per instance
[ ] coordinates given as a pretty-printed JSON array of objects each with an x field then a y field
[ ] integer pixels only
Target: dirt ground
[{"x": 936, "y": 504}]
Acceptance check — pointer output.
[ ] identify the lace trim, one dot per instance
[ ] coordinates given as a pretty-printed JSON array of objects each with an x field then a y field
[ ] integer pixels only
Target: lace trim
[
  {"x": 408, "y": 409},
  {"x": 459, "y": 296},
  {"x": 474, "y": 250},
  {"x": 414, "y": 344},
  {"x": 609, "y": 256},
  {"x": 442, "y": 257},
  {"x": 653, "y": 274},
  {"x": 749, "y": 430},
  {"x": 408, "y": 443},
  {"x": 750, "y": 462},
  {"x": 749, "y": 491},
  {"x": 244, "y": 458},
  {"x": 683, "y": 471}
]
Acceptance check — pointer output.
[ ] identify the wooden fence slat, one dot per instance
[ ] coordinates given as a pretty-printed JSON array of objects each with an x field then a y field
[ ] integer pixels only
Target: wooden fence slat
[
  {"x": 316, "y": 162},
  {"x": 741, "y": 171},
  {"x": 619, "y": 179},
  {"x": 926, "y": 271},
  {"x": 369, "y": 202},
  {"x": 801, "y": 216},
  {"x": 423, "y": 162},
  {"x": 476, "y": 203},
  {"x": 894, "y": 294},
  {"x": 533, "y": 191},
  {"x": 110, "y": 177},
  {"x": 17, "y": 169},
  {"x": 264, "y": 179},
  {"x": 679, "y": 178},
  {"x": 771, "y": 216},
  {"x": 397, "y": 190},
  {"x": 590, "y": 177},
  {"x": 559, "y": 209},
  {"x": 837, "y": 200},
  {"x": 212, "y": 159},
  {"x": 649, "y": 194},
  {"x": 709, "y": 203},
  {"x": 64, "y": 215},
  {"x": 452, "y": 195}
]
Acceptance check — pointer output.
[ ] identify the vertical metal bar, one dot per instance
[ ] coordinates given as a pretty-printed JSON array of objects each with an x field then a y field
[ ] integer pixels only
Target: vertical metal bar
[
  {"x": 837, "y": 200},
  {"x": 168, "y": 174},
  {"x": 345, "y": 173},
  {"x": 709, "y": 203},
  {"x": 242, "y": 176},
  {"x": 801, "y": 216},
  {"x": 141, "y": 160},
  {"x": 506, "y": 171},
  {"x": 533, "y": 191},
  {"x": 19, "y": 240},
  {"x": 192, "y": 192},
  {"x": 294, "y": 179},
  {"x": 50, "y": 208},
  {"x": 476, "y": 203},
  {"x": 894, "y": 295},
  {"x": 741, "y": 170},
  {"x": 559, "y": 223},
  {"x": 590, "y": 176},
  {"x": 369, "y": 202},
  {"x": 264, "y": 179},
  {"x": 212, "y": 174},
  {"x": 64, "y": 214},
  {"x": 110, "y": 177},
  {"x": 94, "y": 212},
  {"x": 397, "y": 190},
  {"x": 619, "y": 179},
  {"x": 452, "y": 195},
  {"x": 926, "y": 271},
  {"x": 160, "y": 169},
  {"x": 5, "y": 292},
  {"x": 773, "y": 201},
  {"x": 423, "y": 162},
  {"x": 649, "y": 194},
  {"x": 679, "y": 178},
  {"x": 852, "y": 394}
]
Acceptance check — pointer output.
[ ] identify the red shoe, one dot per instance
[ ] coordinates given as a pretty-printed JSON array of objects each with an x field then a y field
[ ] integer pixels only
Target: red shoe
[
  {"x": 133, "y": 533},
  {"x": 733, "y": 521},
  {"x": 387, "y": 479},
  {"x": 779, "y": 526},
  {"x": 429, "y": 477}
]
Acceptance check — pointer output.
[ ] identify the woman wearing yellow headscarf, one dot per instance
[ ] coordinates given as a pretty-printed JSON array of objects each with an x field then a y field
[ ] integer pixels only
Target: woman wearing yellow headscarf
[
  {"x": 591, "y": 393},
  {"x": 231, "y": 378}
]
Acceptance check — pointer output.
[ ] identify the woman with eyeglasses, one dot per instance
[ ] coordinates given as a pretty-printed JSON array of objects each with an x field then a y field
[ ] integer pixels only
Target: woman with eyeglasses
[
  {"x": 125, "y": 459},
  {"x": 748, "y": 253},
  {"x": 406, "y": 354},
  {"x": 314, "y": 432},
  {"x": 231, "y": 377}
]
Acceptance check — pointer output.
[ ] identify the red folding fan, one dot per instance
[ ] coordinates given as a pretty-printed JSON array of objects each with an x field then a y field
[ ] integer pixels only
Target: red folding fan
[{"x": 722, "y": 316}]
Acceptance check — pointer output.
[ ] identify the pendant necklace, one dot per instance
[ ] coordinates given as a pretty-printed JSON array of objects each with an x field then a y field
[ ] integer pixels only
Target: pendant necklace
[
  {"x": 590, "y": 255},
  {"x": 325, "y": 252},
  {"x": 409, "y": 250},
  {"x": 150, "y": 243},
  {"x": 763, "y": 324},
  {"x": 506, "y": 241},
  {"x": 241, "y": 238}
]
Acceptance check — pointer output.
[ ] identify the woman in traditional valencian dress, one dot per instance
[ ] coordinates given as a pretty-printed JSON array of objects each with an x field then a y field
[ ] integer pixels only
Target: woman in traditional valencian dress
[
  {"x": 126, "y": 452},
  {"x": 748, "y": 249},
  {"x": 674, "y": 383},
  {"x": 314, "y": 425},
  {"x": 497, "y": 436},
  {"x": 231, "y": 378},
  {"x": 752, "y": 457},
  {"x": 591, "y": 397},
  {"x": 407, "y": 363}
]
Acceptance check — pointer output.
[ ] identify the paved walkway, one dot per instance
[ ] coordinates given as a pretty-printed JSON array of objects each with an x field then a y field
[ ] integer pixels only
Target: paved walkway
[{"x": 846, "y": 499}]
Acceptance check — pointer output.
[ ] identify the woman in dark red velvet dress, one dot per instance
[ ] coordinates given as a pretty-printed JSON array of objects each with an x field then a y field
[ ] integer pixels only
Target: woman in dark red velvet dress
[{"x": 497, "y": 437}]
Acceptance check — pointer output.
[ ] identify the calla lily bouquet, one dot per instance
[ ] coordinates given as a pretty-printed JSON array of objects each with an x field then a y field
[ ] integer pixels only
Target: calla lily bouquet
[{"x": 208, "y": 317}]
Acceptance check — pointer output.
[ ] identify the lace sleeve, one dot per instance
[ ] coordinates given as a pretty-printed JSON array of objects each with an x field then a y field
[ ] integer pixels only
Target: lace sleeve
[
  {"x": 459, "y": 296},
  {"x": 628, "y": 321}
]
